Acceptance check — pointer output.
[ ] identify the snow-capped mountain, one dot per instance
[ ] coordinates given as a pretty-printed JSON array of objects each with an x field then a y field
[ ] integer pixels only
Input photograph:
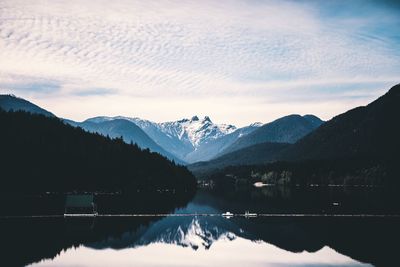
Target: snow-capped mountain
[
  {"x": 213, "y": 147},
  {"x": 183, "y": 137},
  {"x": 196, "y": 131}
]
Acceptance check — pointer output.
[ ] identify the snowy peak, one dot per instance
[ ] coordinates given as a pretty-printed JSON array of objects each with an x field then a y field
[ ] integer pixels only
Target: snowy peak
[
  {"x": 191, "y": 132},
  {"x": 196, "y": 118},
  {"x": 207, "y": 119},
  {"x": 187, "y": 136},
  {"x": 196, "y": 131}
]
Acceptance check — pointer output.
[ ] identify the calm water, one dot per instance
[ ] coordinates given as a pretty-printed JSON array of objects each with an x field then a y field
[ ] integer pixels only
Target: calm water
[{"x": 197, "y": 240}]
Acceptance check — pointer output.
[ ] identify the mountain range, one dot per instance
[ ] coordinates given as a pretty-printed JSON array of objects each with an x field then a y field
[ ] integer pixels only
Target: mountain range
[
  {"x": 367, "y": 135},
  {"x": 287, "y": 129},
  {"x": 186, "y": 140},
  {"x": 128, "y": 130},
  {"x": 363, "y": 133},
  {"x": 180, "y": 138}
]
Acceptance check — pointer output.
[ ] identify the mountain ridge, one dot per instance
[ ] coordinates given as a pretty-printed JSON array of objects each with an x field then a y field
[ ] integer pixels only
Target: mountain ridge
[
  {"x": 359, "y": 146},
  {"x": 128, "y": 130},
  {"x": 364, "y": 131},
  {"x": 12, "y": 103},
  {"x": 287, "y": 129},
  {"x": 188, "y": 139}
]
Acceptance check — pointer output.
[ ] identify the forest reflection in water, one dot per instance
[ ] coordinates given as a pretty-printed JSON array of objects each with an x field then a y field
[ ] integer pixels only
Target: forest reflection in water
[{"x": 204, "y": 240}]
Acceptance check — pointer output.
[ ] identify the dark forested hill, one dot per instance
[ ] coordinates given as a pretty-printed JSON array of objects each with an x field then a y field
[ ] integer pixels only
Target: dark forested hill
[
  {"x": 287, "y": 129},
  {"x": 371, "y": 131},
  {"x": 129, "y": 131},
  {"x": 40, "y": 154},
  {"x": 360, "y": 146}
]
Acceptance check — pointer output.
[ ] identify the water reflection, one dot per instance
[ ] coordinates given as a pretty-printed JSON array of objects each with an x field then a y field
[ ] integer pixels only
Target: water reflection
[
  {"x": 206, "y": 241},
  {"x": 211, "y": 241},
  {"x": 238, "y": 252}
]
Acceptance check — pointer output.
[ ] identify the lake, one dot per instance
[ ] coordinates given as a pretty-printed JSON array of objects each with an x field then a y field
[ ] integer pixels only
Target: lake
[{"x": 193, "y": 233}]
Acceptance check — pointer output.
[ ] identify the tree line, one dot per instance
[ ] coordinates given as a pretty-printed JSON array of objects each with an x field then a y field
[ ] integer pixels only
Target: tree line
[{"x": 41, "y": 154}]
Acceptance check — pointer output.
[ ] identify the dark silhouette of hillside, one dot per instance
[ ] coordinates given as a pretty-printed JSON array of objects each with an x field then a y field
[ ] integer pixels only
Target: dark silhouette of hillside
[
  {"x": 358, "y": 147},
  {"x": 371, "y": 131},
  {"x": 40, "y": 154},
  {"x": 129, "y": 131}
]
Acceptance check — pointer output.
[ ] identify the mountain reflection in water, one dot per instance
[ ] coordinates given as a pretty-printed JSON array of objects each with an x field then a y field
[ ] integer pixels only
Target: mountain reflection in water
[
  {"x": 200, "y": 240},
  {"x": 225, "y": 252}
]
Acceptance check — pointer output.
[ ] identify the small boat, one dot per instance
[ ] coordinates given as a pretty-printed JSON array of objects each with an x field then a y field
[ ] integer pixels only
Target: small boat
[
  {"x": 227, "y": 215},
  {"x": 248, "y": 214}
]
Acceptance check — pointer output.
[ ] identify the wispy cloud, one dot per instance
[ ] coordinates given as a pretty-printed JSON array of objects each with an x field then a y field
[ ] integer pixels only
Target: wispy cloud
[
  {"x": 27, "y": 87},
  {"x": 94, "y": 91},
  {"x": 193, "y": 50}
]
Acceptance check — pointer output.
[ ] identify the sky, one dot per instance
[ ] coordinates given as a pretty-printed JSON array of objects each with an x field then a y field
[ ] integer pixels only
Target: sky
[{"x": 236, "y": 61}]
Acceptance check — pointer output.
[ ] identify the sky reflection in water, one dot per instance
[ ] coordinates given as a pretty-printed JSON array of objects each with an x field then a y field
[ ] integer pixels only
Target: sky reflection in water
[{"x": 224, "y": 252}]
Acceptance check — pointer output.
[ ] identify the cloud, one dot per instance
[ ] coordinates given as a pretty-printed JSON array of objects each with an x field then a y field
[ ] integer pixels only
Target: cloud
[
  {"x": 34, "y": 87},
  {"x": 94, "y": 91},
  {"x": 159, "y": 50}
]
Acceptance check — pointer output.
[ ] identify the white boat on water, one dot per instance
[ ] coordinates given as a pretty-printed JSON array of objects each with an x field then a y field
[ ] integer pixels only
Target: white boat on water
[{"x": 227, "y": 214}]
